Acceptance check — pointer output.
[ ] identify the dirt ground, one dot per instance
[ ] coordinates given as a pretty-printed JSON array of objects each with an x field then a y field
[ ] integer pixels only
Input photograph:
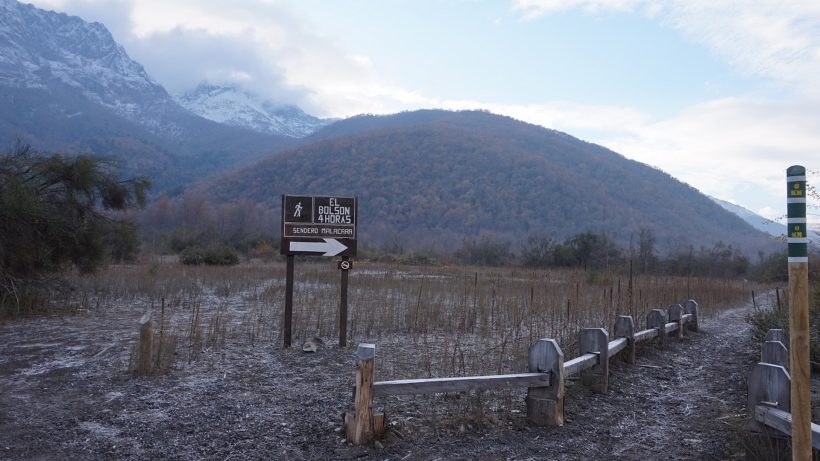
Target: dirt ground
[{"x": 65, "y": 394}]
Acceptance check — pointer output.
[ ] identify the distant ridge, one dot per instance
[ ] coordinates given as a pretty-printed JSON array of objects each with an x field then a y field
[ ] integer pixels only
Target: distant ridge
[{"x": 433, "y": 178}]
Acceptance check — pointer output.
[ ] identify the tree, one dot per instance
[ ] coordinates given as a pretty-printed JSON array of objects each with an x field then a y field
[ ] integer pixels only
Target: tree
[
  {"x": 646, "y": 249},
  {"x": 53, "y": 214},
  {"x": 538, "y": 251}
]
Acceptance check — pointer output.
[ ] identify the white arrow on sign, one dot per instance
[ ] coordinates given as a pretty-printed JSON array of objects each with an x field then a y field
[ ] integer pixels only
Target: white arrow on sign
[{"x": 330, "y": 247}]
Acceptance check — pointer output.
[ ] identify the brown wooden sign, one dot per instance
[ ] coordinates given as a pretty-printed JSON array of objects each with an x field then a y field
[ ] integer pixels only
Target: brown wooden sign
[{"x": 318, "y": 225}]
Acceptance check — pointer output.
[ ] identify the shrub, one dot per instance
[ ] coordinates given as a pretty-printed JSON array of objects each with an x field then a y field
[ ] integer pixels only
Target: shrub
[
  {"x": 192, "y": 255},
  {"x": 222, "y": 256},
  {"x": 195, "y": 255}
]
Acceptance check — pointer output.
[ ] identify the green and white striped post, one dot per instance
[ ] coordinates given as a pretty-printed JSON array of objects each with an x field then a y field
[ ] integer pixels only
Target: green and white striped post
[{"x": 799, "y": 313}]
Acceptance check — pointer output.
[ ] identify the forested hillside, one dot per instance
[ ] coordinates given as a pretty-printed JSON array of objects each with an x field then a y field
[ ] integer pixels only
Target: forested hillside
[{"x": 434, "y": 178}]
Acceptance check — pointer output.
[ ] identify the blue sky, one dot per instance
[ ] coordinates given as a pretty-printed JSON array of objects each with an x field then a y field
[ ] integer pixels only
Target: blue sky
[{"x": 721, "y": 94}]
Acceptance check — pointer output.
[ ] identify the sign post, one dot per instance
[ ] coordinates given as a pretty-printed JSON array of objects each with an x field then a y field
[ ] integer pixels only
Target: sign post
[
  {"x": 799, "y": 313},
  {"x": 318, "y": 226}
]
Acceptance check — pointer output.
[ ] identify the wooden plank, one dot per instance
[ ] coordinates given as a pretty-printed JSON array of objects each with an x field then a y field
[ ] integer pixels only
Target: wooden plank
[
  {"x": 782, "y": 421},
  {"x": 686, "y": 318},
  {"x": 617, "y": 345},
  {"x": 574, "y": 366},
  {"x": 459, "y": 384},
  {"x": 646, "y": 335},
  {"x": 670, "y": 327}
]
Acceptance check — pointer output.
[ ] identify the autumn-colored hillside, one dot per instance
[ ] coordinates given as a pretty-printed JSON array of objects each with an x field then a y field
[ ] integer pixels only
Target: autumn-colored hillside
[{"x": 433, "y": 178}]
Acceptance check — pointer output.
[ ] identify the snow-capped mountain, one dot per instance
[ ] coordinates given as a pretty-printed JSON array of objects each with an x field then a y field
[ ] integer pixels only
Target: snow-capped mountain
[
  {"x": 66, "y": 84},
  {"x": 774, "y": 228},
  {"x": 758, "y": 222},
  {"x": 236, "y": 107},
  {"x": 59, "y": 54}
]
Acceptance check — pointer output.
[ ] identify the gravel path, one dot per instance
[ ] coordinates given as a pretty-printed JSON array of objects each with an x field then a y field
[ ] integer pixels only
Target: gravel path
[{"x": 65, "y": 395}]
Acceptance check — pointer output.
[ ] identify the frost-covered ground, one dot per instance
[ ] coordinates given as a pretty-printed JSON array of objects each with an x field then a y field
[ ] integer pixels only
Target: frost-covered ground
[{"x": 67, "y": 393}]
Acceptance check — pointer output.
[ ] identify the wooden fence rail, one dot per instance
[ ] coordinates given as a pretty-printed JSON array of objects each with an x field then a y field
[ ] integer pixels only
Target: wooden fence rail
[
  {"x": 545, "y": 380},
  {"x": 769, "y": 391}
]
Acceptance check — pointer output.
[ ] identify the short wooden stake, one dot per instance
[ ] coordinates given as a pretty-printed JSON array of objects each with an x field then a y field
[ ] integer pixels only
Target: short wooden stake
[
  {"x": 775, "y": 353},
  {"x": 545, "y": 405},
  {"x": 768, "y": 385},
  {"x": 359, "y": 425},
  {"x": 656, "y": 319},
  {"x": 146, "y": 345},
  {"x": 675, "y": 311},
  {"x": 692, "y": 309},
  {"x": 596, "y": 341},
  {"x": 625, "y": 328}
]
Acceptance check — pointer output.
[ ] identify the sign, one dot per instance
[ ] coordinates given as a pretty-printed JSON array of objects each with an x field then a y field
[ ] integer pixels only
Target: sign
[
  {"x": 345, "y": 265},
  {"x": 318, "y": 225}
]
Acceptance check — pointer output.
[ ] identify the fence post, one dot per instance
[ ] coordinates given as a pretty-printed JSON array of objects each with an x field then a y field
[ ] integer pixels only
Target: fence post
[
  {"x": 776, "y": 334},
  {"x": 359, "y": 424},
  {"x": 146, "y": 344},
  {"x": 657, "y": 320},
  {"x": 596, "y": 341},
  {"x": 545, "y": 405},
  {"x": 625, "y": 328},
  {"x": 692, "y": 308},
  {"x": 775, "y": 353},
  {"x": 768, "y": 385},
  {"x": 675, "y": 311}
]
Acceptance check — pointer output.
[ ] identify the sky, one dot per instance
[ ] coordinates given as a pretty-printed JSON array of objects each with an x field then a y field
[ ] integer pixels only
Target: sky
[{"x": 722, "y": 94}]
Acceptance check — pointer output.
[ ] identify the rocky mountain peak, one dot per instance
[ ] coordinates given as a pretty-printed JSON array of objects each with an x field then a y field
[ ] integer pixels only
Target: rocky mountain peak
[{"x": 231, "y": 105}]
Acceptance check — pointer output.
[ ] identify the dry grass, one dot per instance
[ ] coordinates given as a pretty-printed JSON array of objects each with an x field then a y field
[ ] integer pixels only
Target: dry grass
[{"x": 426, "y": 321}]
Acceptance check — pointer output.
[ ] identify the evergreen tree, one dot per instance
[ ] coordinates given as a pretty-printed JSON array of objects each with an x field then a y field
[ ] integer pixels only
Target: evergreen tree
[{"x": 53, "y": 215}]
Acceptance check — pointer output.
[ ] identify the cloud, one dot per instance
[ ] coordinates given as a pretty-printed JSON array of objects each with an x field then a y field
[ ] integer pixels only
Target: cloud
[
  {"x": 253, "y": 42},
  {"x": 769, "y": 38}
]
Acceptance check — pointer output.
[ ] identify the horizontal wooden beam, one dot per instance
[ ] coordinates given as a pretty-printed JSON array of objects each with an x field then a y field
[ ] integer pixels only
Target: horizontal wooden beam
[
  {"x": 782, "y": 421},
  {"x": 686, "y": 318},
  {"x": 646, "y": 335},
  {"x": 671, "y": 326},
  {"x": 574, "y": 366},
  {"x": 459, "y": 384},
  {"x": 617, "y": 346}
]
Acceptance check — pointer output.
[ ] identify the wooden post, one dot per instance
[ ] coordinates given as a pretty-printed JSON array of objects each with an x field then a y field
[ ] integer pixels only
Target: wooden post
[
  {"x": 675, "y": 311},
  {"x": 359, "y": 424},
  {"x": 657, "y": 320},
  {"x": 776, "y": 334},
  {"x": 692, "y": 308},
  {"x": 545, "y": 405},
  {"x": 146, "y": 344},
  {"x": 775, "y": 353},
  {"x": 343, "y": 307},
  {"x": 287, "y": 325},
  {"x": 768, "y": 385},
  {"x": 596, "y": 341},
  {"x": 799, "y": 312},
  {"x": 625, "y": 328}
]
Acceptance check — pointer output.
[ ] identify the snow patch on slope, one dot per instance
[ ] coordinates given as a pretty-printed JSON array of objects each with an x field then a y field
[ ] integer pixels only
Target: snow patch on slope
[{"x": 233, "y": 106}]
